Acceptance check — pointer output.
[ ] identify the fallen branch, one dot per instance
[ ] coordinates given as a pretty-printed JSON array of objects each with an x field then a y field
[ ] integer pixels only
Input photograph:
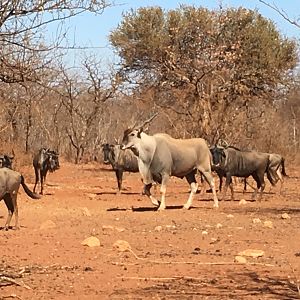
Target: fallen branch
[
  {"x": 10, "y": 296},
  {"x": 193, "y": 262},
  {"x": 295, "y": 276},
  {"x": 13, "y": 281}
]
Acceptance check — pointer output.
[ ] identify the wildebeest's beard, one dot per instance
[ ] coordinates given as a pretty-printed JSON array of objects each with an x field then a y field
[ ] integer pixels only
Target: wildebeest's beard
[{"x": 53, "y": 163}]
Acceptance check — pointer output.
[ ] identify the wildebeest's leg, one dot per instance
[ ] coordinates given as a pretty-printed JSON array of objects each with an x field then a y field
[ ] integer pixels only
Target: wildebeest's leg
[
  {"x": 245, "y": 185},
  {"x": 262, "y": 184},
  {"x": 227, "y": 183},
  {"x": 194, "y": 186},
  {"x": 210, "y": 180},
  {"x": 15, "y": 205},
  {"x": 119, "y": 175},
  {"x": 43, "y": 180},
  {"x": 147, "y": 192},
  {"x": 36, "y": 171},
  {"x": 231, "y": 189},
  {"x": 280, "y": 178},
  {"x": 220, "y": 182},
  {"x": 163, "y": 188},
  {"x": 10, "y": 207},
  {"x": 259, "y": 178}
]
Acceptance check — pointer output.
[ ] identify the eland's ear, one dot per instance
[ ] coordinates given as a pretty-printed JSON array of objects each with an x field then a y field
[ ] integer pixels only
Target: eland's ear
[{"x": 140, "y": 130}]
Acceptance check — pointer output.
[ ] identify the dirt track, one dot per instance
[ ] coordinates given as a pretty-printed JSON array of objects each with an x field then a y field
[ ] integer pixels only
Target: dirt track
[{"x": 176, "y": 254}]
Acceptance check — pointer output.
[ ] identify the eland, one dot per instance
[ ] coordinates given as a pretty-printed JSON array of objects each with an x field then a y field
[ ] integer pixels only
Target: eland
[{"x": 161, "y": 156}]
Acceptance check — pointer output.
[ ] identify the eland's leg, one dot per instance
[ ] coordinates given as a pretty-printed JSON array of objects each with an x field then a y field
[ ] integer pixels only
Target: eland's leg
[
  {"x": 163, "y": 189},
  {"x": 194, "y": 187},
  {"x": 210, "y": 180},
  {"x": 147, "y": 192}
]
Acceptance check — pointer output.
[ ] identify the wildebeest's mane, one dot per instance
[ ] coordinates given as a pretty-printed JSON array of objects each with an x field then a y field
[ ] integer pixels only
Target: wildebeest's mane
[{"x": 235, "y": 148}]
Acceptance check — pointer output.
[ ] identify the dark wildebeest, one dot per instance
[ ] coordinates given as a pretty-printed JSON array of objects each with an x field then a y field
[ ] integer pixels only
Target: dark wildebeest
[
  {"x": 6, "y": 161},
  {"x": 9, "y": 185},
  {"x": 43, "y": 161},
  {"x": 276, "y": 169},
  {"x": 161, "y": 156},
  {"x": 242, "y": 164},
  {"x": 120, "y": 160},
  {"x": 219, "y": 171}
]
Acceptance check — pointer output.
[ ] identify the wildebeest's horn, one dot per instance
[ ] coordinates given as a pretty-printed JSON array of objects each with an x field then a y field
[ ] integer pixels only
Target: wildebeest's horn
[{"x": 225, "y": 144}]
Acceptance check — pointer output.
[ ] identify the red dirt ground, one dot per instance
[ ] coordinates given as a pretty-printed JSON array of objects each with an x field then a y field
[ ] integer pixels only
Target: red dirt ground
[{"x": 176, "y": 254}]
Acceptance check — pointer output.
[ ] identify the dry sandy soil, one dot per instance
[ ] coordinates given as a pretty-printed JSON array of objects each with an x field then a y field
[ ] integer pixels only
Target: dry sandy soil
[{"x": 175, "y": 254}]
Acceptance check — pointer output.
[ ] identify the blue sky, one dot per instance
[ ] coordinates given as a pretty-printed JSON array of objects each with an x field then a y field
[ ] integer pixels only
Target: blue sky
[{"x": 93, "y": 30}]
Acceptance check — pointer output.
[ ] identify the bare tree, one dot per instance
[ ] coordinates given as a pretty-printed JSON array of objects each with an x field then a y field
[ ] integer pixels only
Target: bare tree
[
  {"x": 282, "y": 13},
  {"x": 21, "y": 33},
  {"x": 84, "y": 103}
]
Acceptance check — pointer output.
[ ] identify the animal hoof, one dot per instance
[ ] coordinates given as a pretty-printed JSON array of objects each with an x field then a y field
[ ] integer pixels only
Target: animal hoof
[
  {"x": 161, "y": 208},
  {"x": 216, "y": 206},
  {"x": 186, "y": 206}
]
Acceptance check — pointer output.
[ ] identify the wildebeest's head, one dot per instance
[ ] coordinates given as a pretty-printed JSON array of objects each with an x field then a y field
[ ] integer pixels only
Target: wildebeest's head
[
  {"x": 6, "y": 161},
  {"x": 218, "y": 155},
  {"x": 108, "y": 153},
  {"x": 52, "y": 160}
]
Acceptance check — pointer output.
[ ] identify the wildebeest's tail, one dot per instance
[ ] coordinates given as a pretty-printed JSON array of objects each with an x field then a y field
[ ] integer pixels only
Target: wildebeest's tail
[
  {"x": 269, "y": 175},
  {"x": 28, "y": 191},
  {"x": 283, "y": 168}
]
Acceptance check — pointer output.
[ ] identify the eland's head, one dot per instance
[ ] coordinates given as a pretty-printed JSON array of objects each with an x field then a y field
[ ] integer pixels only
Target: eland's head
[{"x": 133, "y": 135}]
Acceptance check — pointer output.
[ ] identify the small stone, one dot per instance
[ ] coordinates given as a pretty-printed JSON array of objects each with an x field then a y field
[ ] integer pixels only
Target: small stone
[
  {"x": 240, "y": 259},
  {"x": 242, "y": 202},
  {"x": 268, "y": 224},
  {"x": 48, "y": 225},
  {"x": 86, "y": 212},
  {"x": 107, "y": 227},
  {"x": 119, "y": 229},
  {"x": 219, "y": 225},
  {"x": 170, "y": 226},
  {"x": 158, "y": 228},
  {"x": 285, "y": 216},
  {"x": 91, "y": 241},
  {"x": 229, "y": 216},
  {"x": 252, "y": 253},
  {"x": 204, "y": 232},
  {"x": 256, "y": 220},
  {"x": 122, "y": 246}
]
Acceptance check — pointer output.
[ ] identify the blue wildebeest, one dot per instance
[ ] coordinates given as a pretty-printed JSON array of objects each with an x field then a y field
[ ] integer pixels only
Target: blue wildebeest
[
  {"x": 9, "y": 185},
  {"x": 242, "y": 164},
  {"x": 120, "y": 160},
  {"x": 161, "y": 156},
  {"x": 6, "y": 161},
  {"x": 276, "y": 169},
  {"x": 43, "y": 161}
]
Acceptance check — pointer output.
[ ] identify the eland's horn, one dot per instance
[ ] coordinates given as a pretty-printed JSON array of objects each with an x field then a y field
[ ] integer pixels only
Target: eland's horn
[{"x": 148, "y": 120}]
